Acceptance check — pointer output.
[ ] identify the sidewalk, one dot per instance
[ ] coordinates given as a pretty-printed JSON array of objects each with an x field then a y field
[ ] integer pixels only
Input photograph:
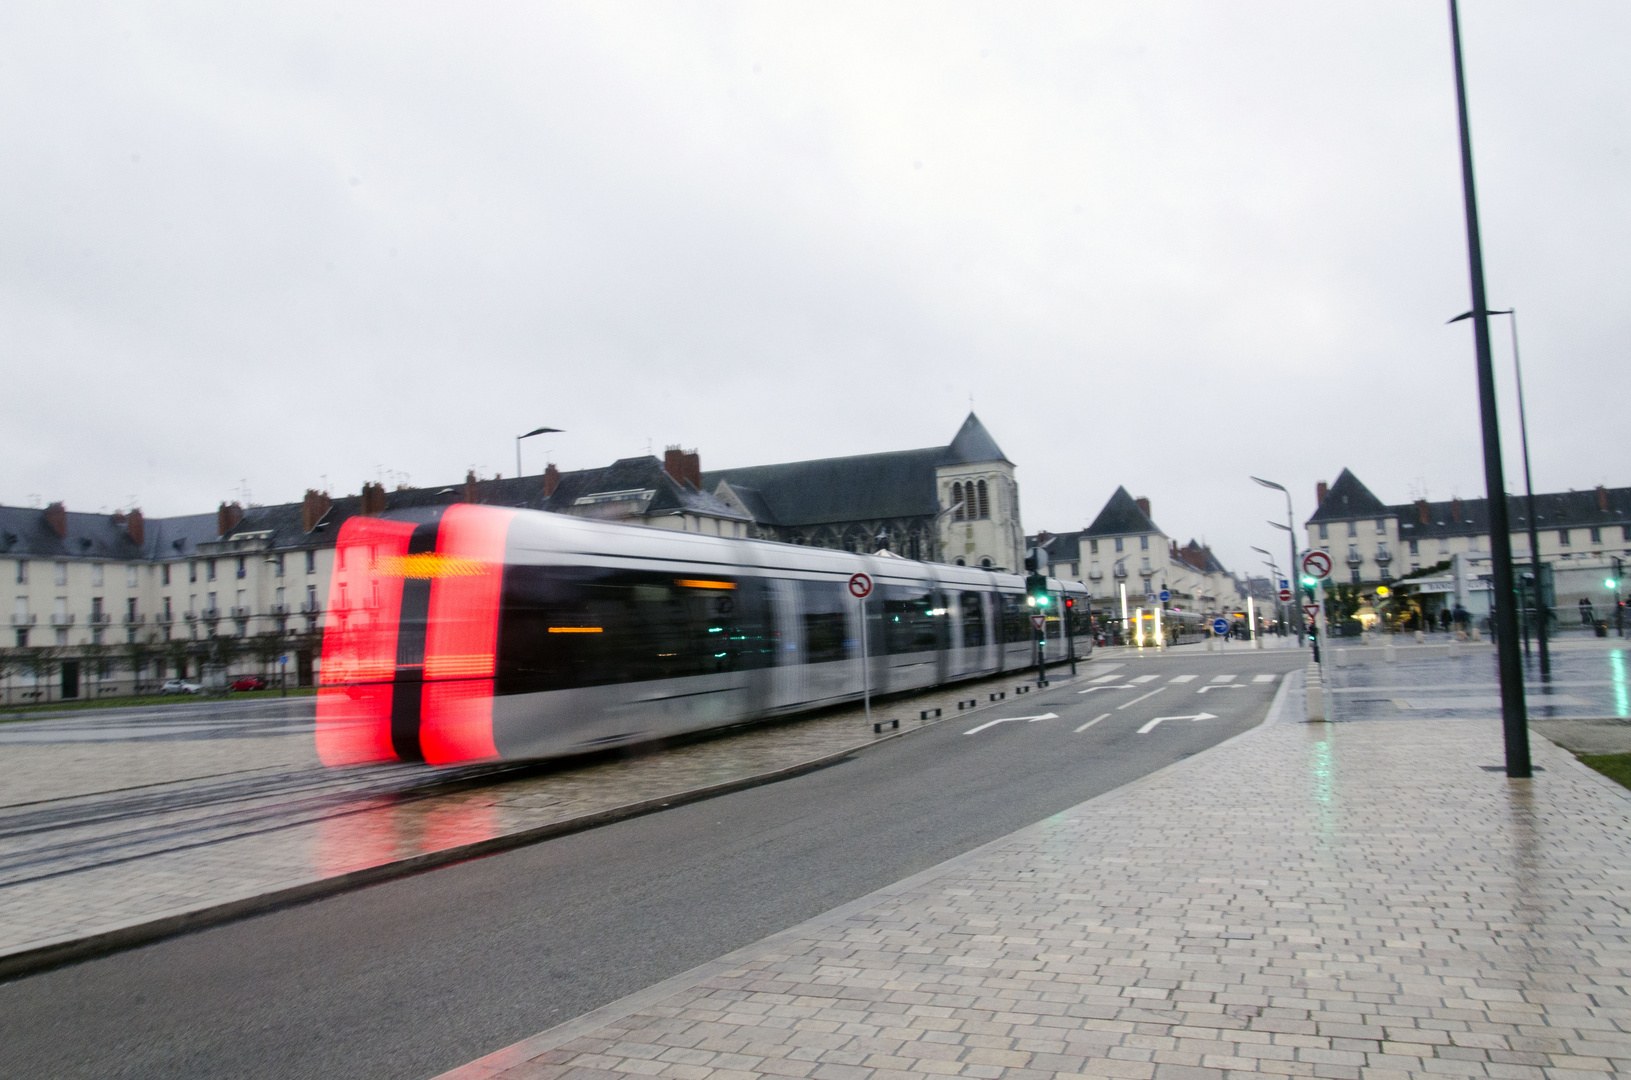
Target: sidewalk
[{"x": 1361, "y": 899}]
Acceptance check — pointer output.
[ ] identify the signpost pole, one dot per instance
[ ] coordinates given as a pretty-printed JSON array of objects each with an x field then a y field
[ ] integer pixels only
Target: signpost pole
[{"x": 860, "y": 587}]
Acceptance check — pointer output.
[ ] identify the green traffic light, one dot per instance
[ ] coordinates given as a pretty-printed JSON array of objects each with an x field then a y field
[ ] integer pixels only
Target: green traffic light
[
  {"x": 1310, "y": 582},
  {"x": 1611, "y": 584}
]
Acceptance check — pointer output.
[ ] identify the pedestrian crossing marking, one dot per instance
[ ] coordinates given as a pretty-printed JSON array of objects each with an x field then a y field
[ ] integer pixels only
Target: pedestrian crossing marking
[
  {"x": 1184, "y": 678},
  {"x": 1223, "y": 678},
  {"x": 1105, "y": 678},
  {"x": 1144, "y": 679},
  {"x": 1263, "y": 678}
]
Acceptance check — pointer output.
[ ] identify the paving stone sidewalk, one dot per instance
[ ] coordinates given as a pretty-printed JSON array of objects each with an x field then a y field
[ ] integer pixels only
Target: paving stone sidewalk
[{"x": 1332, "y": 900}]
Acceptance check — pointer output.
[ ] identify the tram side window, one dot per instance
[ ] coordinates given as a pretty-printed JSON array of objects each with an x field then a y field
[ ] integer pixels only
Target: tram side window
[
  {"x": 1080, "y": 619},
  {"x": 973, "y": 621},
  {"x": 1016, "y": 619},
  {"x": 910, "y": 622},
  {"x": 826, "y": 635},
  {"x": 567, "y": 627}
]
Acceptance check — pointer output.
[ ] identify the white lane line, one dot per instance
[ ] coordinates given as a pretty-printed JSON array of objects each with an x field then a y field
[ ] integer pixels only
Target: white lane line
[
  {"x": 1220, "y": 686},
  {"x": 1182, "y": 679},
  {"x": 1141, "y": 697},
  {"x": 1144, "y": 679},
  {"x": 1223, "y": 678},
  {"x": 1090, "y": 723},
  {"x": 976, "y": 729},
  {"x": 1149, "y": 727},
  {"x": 1264, "y": 678},
  {"x": 1105, "y": 678}
]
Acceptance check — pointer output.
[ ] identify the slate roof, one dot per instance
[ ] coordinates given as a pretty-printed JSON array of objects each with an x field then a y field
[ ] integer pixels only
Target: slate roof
[
  {"x": 898, "y": 483},
  {"x": 631, "y": 474},
  {"x": 1120, "y": 517},
  {"x": 1346, "y": 499},
  {"x": 1063, "y": 548},
  {"x": 1201, "y": 558},
  {"x": 179, "y": 537},
  {"x": 24, "y": 533}
]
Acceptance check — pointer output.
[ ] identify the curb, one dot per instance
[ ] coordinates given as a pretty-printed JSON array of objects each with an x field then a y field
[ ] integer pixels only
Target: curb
[
  {"x": 483, "y": 1068},
  {"x": 56, "y": 954}
]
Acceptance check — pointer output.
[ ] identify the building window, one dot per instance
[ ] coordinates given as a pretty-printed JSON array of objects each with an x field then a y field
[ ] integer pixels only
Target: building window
[
  {"x": 1353, "y": 552},
  {"x": 243, "y": 569},
  {"x": 1324, "y": 532},
  {"x": 130, "y": 576},
  {"x": 986, "y": 562},
  {"x": 1093, "y": 547},
  {"x": 192, "y": 572},
  {"x": 1387, "y": 575},
  {"x": 209, "y": 570},
  {"x": 1143, "y": 543},
  {"x": 1353, "y": 528},
  {"x": 96, "y": 575},
  {"x": 1353, "y": 576},
  {"x": 169, "y": 615},
  {"x": 277, "y": 565},
  {"x": 62, "y": 573},
  {"x": 311, "y": 562},
  {"x": 22, "y": 571},
  {"x": 1596, "y": 535},
  {"x": 164, "y": 573},
  {"x": 957, "y": 504},
  {"x": 1118, "y": 544},
  {"x": 1563, "y": 538},
  {"x": 22, "y": 638},
  {"x": 1415, "y": 547},
  {"x": 983, "y": 500},
  {"x": 1381, "y": 525},
  {"x": 1444, "y": 545}
]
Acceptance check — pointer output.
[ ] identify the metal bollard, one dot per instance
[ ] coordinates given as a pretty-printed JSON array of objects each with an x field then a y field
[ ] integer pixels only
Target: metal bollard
[
  {"x": 969, "y": 704},
  {"x": 924, "y": 715},
  {"x": 877, "y": 729},
  {"x": 999, "y": 695},
  {"x": 1022, "y": 689}
]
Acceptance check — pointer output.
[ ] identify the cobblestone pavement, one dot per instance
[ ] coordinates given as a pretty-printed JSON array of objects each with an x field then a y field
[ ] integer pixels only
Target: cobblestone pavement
[
  {"x": 1333, "y": 900},
  {"x": 111, "y": 823}
]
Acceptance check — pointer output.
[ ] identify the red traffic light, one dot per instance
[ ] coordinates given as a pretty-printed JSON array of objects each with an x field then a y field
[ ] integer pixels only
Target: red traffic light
[{"x": 1069, "y": 602}]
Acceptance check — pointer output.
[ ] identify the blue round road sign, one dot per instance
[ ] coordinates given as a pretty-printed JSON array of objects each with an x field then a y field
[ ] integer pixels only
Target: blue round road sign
[
  {"x": 1220, "y": 626},
  {"x": 1165, "y": 595}
]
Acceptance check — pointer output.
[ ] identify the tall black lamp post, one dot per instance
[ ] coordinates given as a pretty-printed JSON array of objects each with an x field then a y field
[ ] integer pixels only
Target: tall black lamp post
[{"x": 1514, "y": 717}]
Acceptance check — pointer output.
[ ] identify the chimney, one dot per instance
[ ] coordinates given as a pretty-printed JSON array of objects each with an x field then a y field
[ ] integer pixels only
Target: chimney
[
  {"x": 1143, "y": 504},
  {"x": 312, "y": 509},
  {"x": 373, "y": 500},
  {"x": 1421, "y": 510},
  {"x": 56, "y": 516},
  {"x": 132, "y": 524},
  {"x": 552, "y": 479},
  {"x": 1321, "y": 489},
  {"x": 227, "y": 518},
  {"x": 1455, "y": 508},
  {"x": 472, "y": 493},
  {"x": 1602, "y": 498},
  {"x": 685, "y": 466}
]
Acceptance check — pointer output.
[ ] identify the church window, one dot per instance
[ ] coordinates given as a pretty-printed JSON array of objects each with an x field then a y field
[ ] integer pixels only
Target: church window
[
  {"x": 957, "y": 502},
  {"x": 984, "y": 506}
]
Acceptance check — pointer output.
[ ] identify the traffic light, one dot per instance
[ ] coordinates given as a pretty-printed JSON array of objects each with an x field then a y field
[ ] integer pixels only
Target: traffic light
[
  {"x": 1036, "y": 585},
  {"x": 1308, "y": 585}
]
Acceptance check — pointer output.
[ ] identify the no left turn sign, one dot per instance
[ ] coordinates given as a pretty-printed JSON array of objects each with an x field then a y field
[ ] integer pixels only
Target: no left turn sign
[
  {"x": 1317, "y": 563},
  {"x": 860, "y": 586}
]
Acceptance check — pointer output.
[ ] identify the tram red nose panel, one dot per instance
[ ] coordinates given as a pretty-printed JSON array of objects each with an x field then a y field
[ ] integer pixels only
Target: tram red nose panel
[
  {"x": 461, "y": 635},
  {"x": 360, "y": 643}
]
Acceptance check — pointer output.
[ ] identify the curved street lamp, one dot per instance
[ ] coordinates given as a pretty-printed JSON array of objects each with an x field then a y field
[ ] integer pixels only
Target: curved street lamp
[
  {"x": 528, "y": 435},
  {"x": 1289, "y": 527}
]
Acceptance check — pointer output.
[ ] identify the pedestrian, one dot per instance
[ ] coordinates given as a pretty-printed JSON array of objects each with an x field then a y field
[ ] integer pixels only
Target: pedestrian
[{"x": 1588, "y": 617}]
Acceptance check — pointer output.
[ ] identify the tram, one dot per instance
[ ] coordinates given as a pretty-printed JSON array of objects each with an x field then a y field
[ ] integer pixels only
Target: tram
[{"x": 474, "y": 633}]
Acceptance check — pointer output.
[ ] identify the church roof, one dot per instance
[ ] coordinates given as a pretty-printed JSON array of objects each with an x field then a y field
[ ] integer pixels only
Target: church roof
[
  {"x": 1348, "y": 498},
  {"x": 1120, "y": 516},
  {"x": 898, "y": 483}
]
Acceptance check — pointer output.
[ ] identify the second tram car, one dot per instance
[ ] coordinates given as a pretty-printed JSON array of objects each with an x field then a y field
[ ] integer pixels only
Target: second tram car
[{"x": 476, "y": 633}]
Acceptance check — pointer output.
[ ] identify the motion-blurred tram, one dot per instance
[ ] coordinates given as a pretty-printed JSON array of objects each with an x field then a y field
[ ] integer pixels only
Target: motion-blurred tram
[{"x": 476, "y": 633}]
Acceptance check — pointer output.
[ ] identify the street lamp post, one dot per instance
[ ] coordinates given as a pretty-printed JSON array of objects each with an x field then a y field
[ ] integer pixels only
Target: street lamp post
[
  {"x": 1515, "y": 721},
  {"x": 1279, "y": 605},
  {"x": 1529, "y": 500},
  {"x": 1291, "y": 529},
  {"x": 528, "y": 435}
]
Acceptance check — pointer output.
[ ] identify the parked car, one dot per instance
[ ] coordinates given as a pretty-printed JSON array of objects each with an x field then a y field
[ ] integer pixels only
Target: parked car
[
  {"x": 249, "y": 682},
  {"x": 180, "y": 686}
]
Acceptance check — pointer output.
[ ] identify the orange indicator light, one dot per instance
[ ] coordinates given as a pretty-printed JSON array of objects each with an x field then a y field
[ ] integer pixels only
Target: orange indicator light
[
  {"x": 574, "y": 630},
  {"x": 429, "y": 564},
  {"x": 699, "y": 583}
]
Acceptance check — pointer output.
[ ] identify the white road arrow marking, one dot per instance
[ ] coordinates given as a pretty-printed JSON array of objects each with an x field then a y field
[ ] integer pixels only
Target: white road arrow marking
[
  {"x": 1090, "y": 689},
  {"x": 1220, "y": 686},
  {"x": 1091, "y": 722},
  {"x": 976, "y": 729},
  {"x": 1141, "y": 697},
  {"x": 1149, "y": 727}
]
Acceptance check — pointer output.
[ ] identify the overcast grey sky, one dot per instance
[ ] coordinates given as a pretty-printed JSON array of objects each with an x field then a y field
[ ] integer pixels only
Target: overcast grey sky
[{"x": 1162, "y": 245}]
